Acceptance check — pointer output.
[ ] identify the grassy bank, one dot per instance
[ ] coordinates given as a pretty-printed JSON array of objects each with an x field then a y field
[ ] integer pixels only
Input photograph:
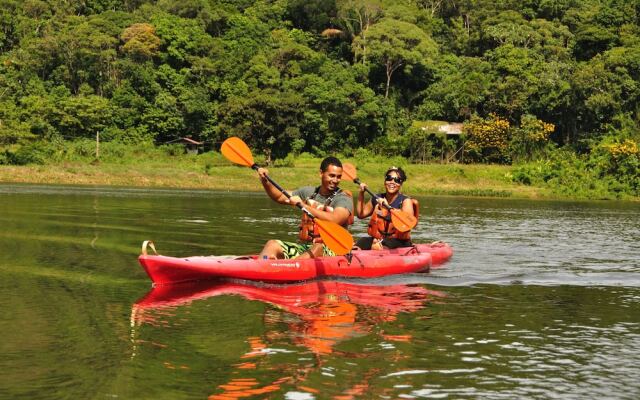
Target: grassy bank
[{"x": 212, "y": 171}]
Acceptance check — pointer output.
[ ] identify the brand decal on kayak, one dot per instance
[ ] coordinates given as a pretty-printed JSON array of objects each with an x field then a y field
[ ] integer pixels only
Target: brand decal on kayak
[{"x": 286, "y": 264}]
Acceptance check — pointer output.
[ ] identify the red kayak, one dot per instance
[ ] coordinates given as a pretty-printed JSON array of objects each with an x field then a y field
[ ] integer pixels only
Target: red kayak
[{"x": 361, "y": 264}]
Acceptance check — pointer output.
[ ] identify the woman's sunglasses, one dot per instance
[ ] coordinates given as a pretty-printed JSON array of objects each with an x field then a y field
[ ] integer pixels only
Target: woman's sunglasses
[{"x": 393, "y": 178}]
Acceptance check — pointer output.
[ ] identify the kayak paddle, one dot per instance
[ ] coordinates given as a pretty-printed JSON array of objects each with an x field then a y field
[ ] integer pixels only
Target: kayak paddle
[
  {"x": 402, "y": 221},
  {"x": 336, "y": 237}
]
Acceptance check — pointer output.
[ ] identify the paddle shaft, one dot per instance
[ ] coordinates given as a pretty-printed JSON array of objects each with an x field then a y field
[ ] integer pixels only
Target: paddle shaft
[{"x": 281, "y": 189}]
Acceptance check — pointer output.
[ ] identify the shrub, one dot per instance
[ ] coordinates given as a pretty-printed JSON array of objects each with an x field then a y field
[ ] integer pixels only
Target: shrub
[
  {"x": 592, "y": 176},
  {"x": 33, "y": 153},
  {"x": 422, "y": 145},
  {"x": 522, "y": 176},
  {"x": 297, "y": 145},
  {"x": 288, "y": 161},
  {"x": 5, "y": 157},
  {"x": 620, "y": 159},
  {"x": 172, "y": 149},
  {"x": 363, "y": 154},
  {"x": 530, "y": 140},
  {"x": 487, "y": 139},
  {"x": 366, "y": 156},
  {"x": 390, "y": 145}
]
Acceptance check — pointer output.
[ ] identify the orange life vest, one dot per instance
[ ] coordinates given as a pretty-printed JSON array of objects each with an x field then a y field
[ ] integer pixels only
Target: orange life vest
[
  {"x": 381, "y": 227},
  {"x": 308, "y": 227}
]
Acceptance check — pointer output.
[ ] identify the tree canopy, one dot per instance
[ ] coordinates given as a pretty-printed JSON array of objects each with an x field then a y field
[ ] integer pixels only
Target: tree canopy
[{"x": 292, "y": 75}]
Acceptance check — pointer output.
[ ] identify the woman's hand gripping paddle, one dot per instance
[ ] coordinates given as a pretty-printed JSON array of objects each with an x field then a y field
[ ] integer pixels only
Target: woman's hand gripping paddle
[
  {"x": 338, "y": 239},
  {"x": 402, "y": 221}
]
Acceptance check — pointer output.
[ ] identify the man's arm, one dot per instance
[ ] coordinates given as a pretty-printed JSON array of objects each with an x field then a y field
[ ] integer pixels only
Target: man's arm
[
  {"x": 272, "y": 191},
  {"x": 342, "y": 209},
  {"x": 339, "y": 215}
]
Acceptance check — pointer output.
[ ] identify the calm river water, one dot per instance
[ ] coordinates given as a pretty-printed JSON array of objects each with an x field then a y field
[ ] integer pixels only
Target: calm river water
[{"x": 541, "y": 300}]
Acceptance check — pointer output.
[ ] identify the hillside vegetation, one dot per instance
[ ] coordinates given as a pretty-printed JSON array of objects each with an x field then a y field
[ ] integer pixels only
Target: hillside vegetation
[{"x": 550, "y": 87}]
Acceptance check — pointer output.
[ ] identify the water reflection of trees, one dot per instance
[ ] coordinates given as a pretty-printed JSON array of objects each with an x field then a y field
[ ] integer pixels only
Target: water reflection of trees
[{"x": 316, "y": 315}]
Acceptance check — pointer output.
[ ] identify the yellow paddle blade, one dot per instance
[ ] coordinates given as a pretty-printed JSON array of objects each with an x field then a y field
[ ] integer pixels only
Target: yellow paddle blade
[
  {"x": 237, "y": 151},
  {"x": 335, "y": 237},
  {"x": 349, "y": 171},
  {"x": 402, "y": 221}
]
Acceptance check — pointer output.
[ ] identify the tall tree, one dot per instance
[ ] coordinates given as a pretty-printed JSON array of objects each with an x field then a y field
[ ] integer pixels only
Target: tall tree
[
  {"x": 357, "y": 16},
  {"x": 395, "y": 44}
]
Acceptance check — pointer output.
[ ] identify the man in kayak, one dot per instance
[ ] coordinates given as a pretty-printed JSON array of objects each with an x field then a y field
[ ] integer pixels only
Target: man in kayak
[
  {"x": 382, "y": 233},
  {"x": 326, "y": 202}
]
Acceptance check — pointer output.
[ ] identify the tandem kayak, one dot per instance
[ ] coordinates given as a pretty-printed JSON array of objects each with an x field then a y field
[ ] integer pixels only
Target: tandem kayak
[{"x": 360, "y": 264}]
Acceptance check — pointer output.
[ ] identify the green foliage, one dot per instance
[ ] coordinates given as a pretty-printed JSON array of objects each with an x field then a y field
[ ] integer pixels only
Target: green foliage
[
  {"x": 172, "y": 149},
  {"x": 390, "y": 145},
  {"x": 294, "y": 76},
  {"x": 530, "y": 139},
  {"x": 393, "y": 44},
  {"x": 29, "y": 154},
  {"x": 621, "y": 160},
  {"x": 462, "y": 85},
  {"x": 370, "y": 156},
  {"x": 84, "y": 150},
  {"x": 274, "y": 117},
  {"x": 181, "y": 39},
  {"x": 288, "y": 161},
  {"x": 312, "y": 16},
  {"x": 84, "y": 115},
  {"x": 611, "y": 171},
  {"x": 425, "y": 143}
]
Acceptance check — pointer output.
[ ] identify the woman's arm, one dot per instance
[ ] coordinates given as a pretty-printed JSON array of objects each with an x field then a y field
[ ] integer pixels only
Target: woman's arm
[
  {"x": 407, "y": 206},
  {"x": 363, "y": 210}
]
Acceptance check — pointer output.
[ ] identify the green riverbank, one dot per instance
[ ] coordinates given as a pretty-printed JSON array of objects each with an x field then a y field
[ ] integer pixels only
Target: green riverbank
[{"x": 212, "y": 171}]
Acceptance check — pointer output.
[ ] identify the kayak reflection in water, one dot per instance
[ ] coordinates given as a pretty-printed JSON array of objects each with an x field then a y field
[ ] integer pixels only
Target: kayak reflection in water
[
  {"x": 327, "y": 202},
  {"x": 382, "y": 232},
  {"x": 328, "y": 312}
]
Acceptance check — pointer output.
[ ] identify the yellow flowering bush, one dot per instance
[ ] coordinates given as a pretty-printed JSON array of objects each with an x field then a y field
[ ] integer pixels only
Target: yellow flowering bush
[
  {"x": 628, "y": 148},
  {"x": 487, "y": 139},
  {"x": 530, "y": 139},
  {"x": 621, "y": 160}
]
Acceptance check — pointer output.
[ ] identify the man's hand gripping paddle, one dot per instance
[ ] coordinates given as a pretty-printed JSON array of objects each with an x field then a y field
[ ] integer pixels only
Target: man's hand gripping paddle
[
  {"x": 402, "y": 221},
  {"x": 337, "y": 238}
]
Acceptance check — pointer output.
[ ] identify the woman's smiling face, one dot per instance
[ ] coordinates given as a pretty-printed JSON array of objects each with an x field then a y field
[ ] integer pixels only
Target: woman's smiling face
[{"x": 392, "y": 182}]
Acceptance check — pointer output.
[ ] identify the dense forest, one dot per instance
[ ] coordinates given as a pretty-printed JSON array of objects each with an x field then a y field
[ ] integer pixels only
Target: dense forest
[{"x": 552, "y": 86}]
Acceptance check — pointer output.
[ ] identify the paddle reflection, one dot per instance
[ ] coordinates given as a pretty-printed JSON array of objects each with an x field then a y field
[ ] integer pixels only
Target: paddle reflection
[{"x": 317, "y": 315}]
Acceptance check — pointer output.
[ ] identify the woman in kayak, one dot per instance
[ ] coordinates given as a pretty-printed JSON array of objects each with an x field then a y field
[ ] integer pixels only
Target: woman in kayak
[
  {"x": 327, "y": 202},
  {"x": 382, "y": 233}
]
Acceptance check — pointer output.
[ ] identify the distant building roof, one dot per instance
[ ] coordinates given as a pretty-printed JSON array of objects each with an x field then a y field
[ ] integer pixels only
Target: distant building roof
[
  {"x": 331, "y": 32},
  {"x": 439, "y": 127},
  {"x": 454, "y": 128},
  {"x": 186, "y": 140}
]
